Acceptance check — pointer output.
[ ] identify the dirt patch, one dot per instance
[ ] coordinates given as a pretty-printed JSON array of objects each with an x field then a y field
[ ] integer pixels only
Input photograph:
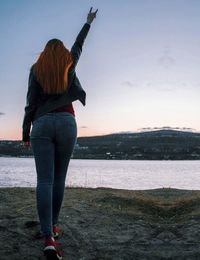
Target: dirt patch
[{"x": 106, "y": 224}]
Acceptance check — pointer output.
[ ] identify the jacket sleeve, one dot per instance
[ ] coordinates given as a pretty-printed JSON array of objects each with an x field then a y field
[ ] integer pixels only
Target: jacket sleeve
[
  {"x": 31, "y": 106},
  {"x": 77, "y": 46}
]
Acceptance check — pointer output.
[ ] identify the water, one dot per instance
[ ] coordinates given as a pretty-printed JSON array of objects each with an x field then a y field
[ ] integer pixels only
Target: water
[{"x": 132, "y": 175}]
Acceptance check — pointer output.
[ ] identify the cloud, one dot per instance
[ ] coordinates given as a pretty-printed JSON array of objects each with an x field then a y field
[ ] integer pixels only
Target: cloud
[
  {"x": 188, "y": 129},
  {"x": 166, "y": 60},
  {"x": 167, "y": 128},
  {"x": 128, "y": 83},
  {"x": 167, "y": 85},
  {"x": 145, "y": 128},
  {"x": 164, "y": 85},
  {"x": 1, "y": 113},
  {"x": 83, "y": 126}
]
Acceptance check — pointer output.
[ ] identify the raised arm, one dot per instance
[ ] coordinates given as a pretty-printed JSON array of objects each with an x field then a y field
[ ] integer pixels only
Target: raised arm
[{"x": 77, "y": 46}]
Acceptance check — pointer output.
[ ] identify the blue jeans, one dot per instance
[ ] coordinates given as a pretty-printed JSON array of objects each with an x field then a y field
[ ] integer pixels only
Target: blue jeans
[{"x": 52, "y": 138}]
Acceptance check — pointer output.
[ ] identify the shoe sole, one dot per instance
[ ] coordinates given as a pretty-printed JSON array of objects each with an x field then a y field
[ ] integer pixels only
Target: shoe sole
[{"x": 51, "y": 254}]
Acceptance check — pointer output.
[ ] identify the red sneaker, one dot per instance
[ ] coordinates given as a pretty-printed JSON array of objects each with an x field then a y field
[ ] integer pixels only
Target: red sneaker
[
  {"x": 56, "y": 231},
  {"x": 51, "y": 250}
]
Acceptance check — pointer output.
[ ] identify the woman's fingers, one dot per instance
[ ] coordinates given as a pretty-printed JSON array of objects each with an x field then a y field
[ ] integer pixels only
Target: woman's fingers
[
  {"x": 91, "y": 15},
  {"x": 93, "y": 12}
]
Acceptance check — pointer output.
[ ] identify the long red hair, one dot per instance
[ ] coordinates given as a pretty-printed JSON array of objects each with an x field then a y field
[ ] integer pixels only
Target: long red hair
[{"x": 51, "y": 68}]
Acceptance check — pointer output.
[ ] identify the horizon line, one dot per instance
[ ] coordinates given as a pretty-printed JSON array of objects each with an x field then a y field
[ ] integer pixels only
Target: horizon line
[{"x": 140, "y": 130}]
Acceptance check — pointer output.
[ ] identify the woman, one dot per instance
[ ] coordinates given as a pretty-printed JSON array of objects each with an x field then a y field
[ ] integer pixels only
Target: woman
[{"x": 53, "y": 86}]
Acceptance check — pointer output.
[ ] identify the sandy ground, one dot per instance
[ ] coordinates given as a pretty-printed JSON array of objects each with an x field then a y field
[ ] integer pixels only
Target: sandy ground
[{"x": 105, "y": 224}]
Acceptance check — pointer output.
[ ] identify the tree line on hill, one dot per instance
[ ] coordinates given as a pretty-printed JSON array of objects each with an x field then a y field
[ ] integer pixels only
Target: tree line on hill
[{"x": 152, "y": 145}]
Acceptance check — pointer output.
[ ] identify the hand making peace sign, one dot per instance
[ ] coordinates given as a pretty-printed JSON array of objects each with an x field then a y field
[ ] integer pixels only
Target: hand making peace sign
[{"x": 91, "y": 15}]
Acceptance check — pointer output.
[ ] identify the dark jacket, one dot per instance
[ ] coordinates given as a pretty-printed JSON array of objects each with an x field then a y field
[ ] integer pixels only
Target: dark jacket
[{"x": 38, "y": 103}]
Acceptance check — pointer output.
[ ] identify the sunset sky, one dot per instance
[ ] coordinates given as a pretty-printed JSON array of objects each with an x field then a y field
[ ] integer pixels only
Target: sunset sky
[{"x": 140, "y": 64}]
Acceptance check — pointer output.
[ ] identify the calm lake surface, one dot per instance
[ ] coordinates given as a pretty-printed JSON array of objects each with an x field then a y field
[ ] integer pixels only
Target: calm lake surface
[{"x": 120, "y": 174}]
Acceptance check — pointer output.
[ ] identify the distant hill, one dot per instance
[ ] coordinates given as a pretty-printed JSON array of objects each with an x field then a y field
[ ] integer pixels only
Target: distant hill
[{"x": 151, "y": 145}]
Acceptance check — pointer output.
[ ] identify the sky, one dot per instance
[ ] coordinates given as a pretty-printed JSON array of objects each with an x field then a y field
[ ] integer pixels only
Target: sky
[{"x": 139, "y": 66}]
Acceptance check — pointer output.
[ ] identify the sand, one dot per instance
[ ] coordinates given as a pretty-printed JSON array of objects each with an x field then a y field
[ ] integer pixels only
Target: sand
[{"x": 105, "y": 224}]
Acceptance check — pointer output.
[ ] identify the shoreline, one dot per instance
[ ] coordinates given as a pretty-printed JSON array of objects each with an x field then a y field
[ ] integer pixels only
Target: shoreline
[
  {"x": 107, "y": 159},
  {"x": 105, "y": 223}
]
